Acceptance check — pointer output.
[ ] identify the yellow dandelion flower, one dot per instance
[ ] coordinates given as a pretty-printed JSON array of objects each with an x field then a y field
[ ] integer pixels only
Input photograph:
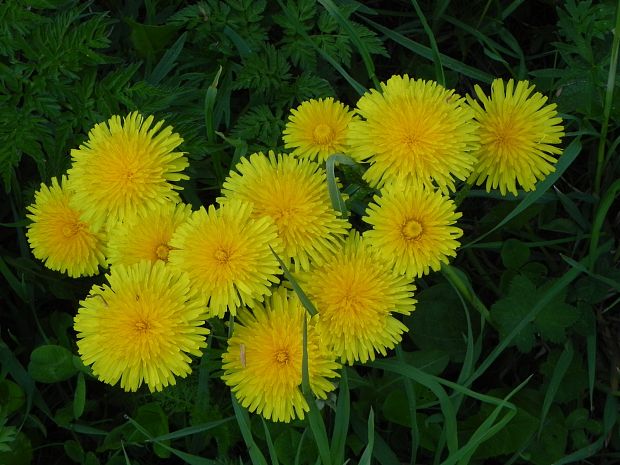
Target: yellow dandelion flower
[
  {"x": 317, "y": 129},
  {"x": 414, "y": 129},
  {"x": 293, "y": 193},
  {"x": 126, "y": 167},
  {"x": 141, "y": 326},
  {"x": 147, "y": 235},
  {"x": 263, "y": 362},
  {"x": 59, "y": 236},
  {"x": 226, "y": 254},
  {"x": 356, "y": 294},
  {"x": 517, "y": 136},
  {"x": 413, "y": 228}
]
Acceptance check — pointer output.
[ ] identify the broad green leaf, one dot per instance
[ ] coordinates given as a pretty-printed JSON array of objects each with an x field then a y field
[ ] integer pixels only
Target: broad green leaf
[
  {"x": 51, "y": 364},
  {"x": 439, "y": 322},
  {"x": 515, "y": 254},
  {"x": 12, "y": 396},
  {"x": 152, "y": 418}
]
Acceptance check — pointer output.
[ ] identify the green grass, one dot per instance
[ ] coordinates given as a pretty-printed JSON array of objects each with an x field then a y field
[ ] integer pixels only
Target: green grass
[{"x": 512, "y": 351}]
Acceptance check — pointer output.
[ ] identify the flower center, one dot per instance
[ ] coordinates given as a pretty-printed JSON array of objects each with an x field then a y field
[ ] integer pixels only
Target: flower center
[
  {"x": 71, "y": 229},
  {"x": 142, "y": 326},
  {"x": 162, "y": 252},
  {"x": 411, "y": 141},
  {"x": 222, "y": 256},
  {"x": 322, "y": 134},
  {"x": 411, "y": 230},
  {"x": 281, "y": 357}
]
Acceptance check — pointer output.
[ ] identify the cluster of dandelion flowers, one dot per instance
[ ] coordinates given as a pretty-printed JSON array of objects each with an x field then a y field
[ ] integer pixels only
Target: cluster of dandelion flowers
[
  {"x": 293, "y": 193},
  {"x": 141, "y": 326},
  {"x": 317, "y": 129},
  {"x": 263, "y": 362},
  {"x": 125, "y": 167},
  {"x": 414, "y": 129},
  {"x": 356, "y": 294},
  {"x": 147, "y": 235},
  {"x": 517, "y": 136},
  {"x": 59, "y": 236},
  {"x": 413, "y": 228},
  {"x": 227, "y": 255}
]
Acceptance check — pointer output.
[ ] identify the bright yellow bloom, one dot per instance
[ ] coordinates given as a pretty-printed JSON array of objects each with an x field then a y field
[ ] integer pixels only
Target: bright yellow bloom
[
  {"x": 517, "y": 136},
  {"x": 293, "y": 193},
  {"x": 263, "y": 362},
  {"x": 413, "y": 228},
  {"x": 356, "y": 293},
  {"x": 141, "y": 326},
  {"x": 318, "y": 129},
  {"x": 126, "y": 167},
  {"x": 226, "y": 254},
  {"x": 147, "y": 235},
  {"x": 414, "y": 129},
  {"x": 59, "y": 236}
]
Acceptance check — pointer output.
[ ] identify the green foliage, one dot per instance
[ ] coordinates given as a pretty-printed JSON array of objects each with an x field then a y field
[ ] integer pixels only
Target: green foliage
[
  {"x": 551, "y": 323},
  {"x": 467, "y": 385}
]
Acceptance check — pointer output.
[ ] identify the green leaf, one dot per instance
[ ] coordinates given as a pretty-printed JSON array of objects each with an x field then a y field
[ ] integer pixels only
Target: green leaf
[
  {"x": 554, "y": 319},
  {"x": 12, "y": 396},
  {"x": 148, "y": 39},
  {"x": 79, "y": 400},
  {"x": 152, "y": 418},
  {"x": 21, "y": 452},
  {"x": 551, "y": 321},
  {"x": 515, "y": 254},
  {"x": 51, "y": 364},
  {"x": 439, "y": 307}
]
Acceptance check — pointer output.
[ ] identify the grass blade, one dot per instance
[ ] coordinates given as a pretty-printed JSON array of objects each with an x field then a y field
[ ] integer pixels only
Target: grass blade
[
  {"x": 427, "y": 53},
  {"x": 317, "y": 425},
  {"x": 188, "y": 458},
  {"x": 439, "y": 75},
  {"x": 341, "y": 423},
  {"x": 447, "y": 408},
  {"x": 296, "y": 287},
  {"x": 332, "y": 183},
  {"x": 600, "y": 215},
  {"x": 335, "y": 12},
  {"x": 168, "y": 61},
  {"x": 273, "y": 455},
  {"x": 243, "y": 420},
  {"x": 554, "y": 383},
  {"x": 609, "y": 96},
  {"x": 367, "y": 455},
  {"x": 184, "y": 432},
  {"x": 412, "y": 406}
]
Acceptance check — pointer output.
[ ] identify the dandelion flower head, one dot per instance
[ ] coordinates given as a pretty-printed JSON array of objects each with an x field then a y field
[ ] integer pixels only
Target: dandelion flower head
[
  {"x": 518, "y": 137},
  {"x": 126, "y": 166},
  {"x": 141, "y": 327},
  {"x": 147, "y": 235},
  {"x": 317, "y": 129},
  {"x": 227, "y": 255},
  {"x": 356, "y": 294},
  {"x": 263, "y": 362},
  {"x": 59, "y": 236},
  {"x": 293, "y": 193},
  {"x": 413, "y": 228},
  {"x": 414, "y": 129}
]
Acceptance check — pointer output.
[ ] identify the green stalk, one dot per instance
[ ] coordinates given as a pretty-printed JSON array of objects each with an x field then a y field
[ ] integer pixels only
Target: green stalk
[{"x": 609, "y": 94}]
